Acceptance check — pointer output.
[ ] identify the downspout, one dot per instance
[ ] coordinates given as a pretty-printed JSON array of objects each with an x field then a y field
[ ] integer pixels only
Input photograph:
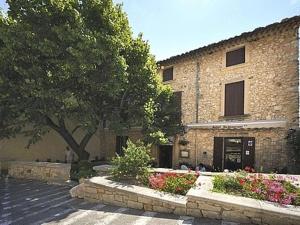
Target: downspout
[{"x": 197, "y": 89}]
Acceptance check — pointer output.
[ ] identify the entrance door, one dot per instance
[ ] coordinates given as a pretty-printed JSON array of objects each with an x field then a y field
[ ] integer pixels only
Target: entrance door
[
  {"x": 233, "y": 148},
  {"x": 165, "y": 156},
  {"x": 121, "y": 142},
  {"x": 233, "y": 153}
]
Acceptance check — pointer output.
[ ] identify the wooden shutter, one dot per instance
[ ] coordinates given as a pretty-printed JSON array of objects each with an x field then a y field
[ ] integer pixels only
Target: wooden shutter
[
  {"x": 248, "y": 152},
  {"x": 168, "y": 74},
  {"x": 235, "y": 57},
  {"x": 178, "y": 97},
  {"x": 234, "y": 99},
  {"x": 218, "y": 154}
]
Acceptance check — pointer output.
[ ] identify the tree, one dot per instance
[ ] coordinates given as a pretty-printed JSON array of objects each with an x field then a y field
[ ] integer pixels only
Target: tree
[{"x": 69, "y": 65}]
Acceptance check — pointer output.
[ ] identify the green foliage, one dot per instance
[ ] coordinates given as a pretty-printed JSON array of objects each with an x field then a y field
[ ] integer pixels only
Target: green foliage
[
  {"x": 226, "y": 184},
  {"x": 69, "y": 65},
  {"x": 84, "y": 169},
  {"x": 180, "y": 184},
  {"x": 162, "y": 117},
  {"x": 135, "y": 162},
  {"x": 263, "y": 187}
]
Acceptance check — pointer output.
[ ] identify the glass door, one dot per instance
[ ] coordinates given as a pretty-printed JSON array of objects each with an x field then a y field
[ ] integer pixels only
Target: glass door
[{"x": 233, "y": 153}]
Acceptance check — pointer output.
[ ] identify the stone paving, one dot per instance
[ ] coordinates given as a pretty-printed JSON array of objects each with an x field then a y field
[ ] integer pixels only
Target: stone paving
[{"x": 27, "y": 202}]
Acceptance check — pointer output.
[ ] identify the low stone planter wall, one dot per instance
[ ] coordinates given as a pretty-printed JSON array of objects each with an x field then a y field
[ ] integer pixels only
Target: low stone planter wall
[
  {"x": 46, "y": 171},
  {"x": 100, "y": 189},
  {"x": 199, "y": 202},
  {"x": 202, "y": 202}
]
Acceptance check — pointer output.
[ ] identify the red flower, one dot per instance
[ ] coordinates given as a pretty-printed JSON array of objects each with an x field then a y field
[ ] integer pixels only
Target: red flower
[{"x": 242, "y": 181}]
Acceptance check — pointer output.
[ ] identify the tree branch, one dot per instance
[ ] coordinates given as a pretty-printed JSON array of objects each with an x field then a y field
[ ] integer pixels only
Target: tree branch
[
  {"x": 64, "y": 133},
  {"x": 86, "y": 139},
  {"x": 123, "y": 99},
  {"x": 51, "y": 124}
]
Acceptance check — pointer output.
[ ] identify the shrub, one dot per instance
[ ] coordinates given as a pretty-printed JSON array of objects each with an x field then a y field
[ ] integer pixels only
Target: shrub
[
  {"x": 135, "y": 162},
  {"x": 84, "y": 169},
  {"x": 226, "y": 183},
  {"x": 258, "y": 186},
  {"x": 172, "y": 182}
]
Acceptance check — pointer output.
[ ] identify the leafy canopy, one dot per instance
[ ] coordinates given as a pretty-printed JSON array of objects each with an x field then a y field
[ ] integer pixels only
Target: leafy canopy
[{"x": 69, "y": 65}]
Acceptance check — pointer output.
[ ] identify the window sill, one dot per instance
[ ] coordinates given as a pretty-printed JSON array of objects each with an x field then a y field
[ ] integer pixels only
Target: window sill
[
  {"x": 168, "y": 81},
  {"x": 237, "y": 117},
  {"x": 237, "y": 66}
]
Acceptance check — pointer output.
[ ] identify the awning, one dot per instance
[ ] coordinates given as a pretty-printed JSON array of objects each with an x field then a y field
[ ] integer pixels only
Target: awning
[{"x": 262, "y": 124}]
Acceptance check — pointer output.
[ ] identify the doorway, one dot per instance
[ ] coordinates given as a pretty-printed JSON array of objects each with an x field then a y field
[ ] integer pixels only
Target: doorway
[
  {"x": 165, "y": 156},
  {"x": 233, "y": 153}
]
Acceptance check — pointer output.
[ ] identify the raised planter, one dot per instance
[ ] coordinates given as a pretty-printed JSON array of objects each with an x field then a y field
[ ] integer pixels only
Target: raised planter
[
  {"x": 46, "y": 171},
  {"x": 199, "y": 202},
  {"x": 202, "y": 202},
  {"x": 101, "y": 189}
]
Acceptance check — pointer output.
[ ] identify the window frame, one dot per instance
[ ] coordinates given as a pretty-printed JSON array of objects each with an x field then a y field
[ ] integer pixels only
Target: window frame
[
  {"x": 228, "y": 111},
  {"x": 246, "y": 95},
  {"x": 163, "y": 75},
  {"x": 233, "y": 50}
]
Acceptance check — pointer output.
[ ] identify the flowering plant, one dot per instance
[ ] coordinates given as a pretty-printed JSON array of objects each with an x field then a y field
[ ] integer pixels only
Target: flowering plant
[
  {"x": 249, "y": 169},
  {"x": 172, "y": 182},
  {"x": 272, "y": 188}
]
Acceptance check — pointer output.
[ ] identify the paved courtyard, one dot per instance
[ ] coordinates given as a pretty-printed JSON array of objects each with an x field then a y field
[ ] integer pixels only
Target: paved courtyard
[{"x": 25, "y": 202}]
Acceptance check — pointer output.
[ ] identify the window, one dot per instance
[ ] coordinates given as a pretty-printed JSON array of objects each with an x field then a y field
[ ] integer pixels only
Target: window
[
  {"x": 121, "y": 141},
  {"x": 168, "y": 74},
  {"x": 177, "y": 98},
  {"x": 234, "y": 99},
  {"x": 175, "y": 115},
  {"x": 235, "y": 57}
]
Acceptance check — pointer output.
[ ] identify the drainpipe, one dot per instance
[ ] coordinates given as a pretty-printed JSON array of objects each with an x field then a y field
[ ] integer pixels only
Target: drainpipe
[{"x": 197, "y": 89}]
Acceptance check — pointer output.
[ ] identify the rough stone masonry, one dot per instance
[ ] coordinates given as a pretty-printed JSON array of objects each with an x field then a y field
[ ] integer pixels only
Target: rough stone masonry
[{"x": 270, "y": 74}]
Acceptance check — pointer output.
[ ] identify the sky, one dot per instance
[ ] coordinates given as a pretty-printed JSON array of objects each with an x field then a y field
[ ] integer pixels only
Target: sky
[{"x": 173, "y": 27}]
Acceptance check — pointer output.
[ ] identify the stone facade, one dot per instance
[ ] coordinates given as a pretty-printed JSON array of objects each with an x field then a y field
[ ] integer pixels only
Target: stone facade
[
  {"x": 271, "y": 77},
  {"x": 50, "y": 172}
]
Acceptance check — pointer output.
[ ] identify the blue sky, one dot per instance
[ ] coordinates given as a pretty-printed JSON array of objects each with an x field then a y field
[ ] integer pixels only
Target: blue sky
[{"x": 176, "y": 26}]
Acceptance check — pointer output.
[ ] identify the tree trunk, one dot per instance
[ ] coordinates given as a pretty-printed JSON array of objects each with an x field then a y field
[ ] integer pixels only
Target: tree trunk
[
  {"x": 83, "y": 155},
  {"x": 79, "y": 149}
]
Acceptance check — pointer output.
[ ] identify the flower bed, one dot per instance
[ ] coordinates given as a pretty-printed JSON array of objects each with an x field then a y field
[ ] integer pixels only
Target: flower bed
[
  {"x": 272, "y": 188},
  {"x": 172, "y": 182}
]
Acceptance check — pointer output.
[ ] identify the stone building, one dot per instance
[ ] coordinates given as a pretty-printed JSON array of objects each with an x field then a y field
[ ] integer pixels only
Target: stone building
[{"x": 239, "y": 97}]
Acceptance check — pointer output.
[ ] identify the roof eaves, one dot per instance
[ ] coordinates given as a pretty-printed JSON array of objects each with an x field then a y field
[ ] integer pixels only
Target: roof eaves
[{"x": 284, "y": 22}]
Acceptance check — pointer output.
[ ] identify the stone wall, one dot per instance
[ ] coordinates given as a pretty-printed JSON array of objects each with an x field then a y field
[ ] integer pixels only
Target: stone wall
[
  {"x": 100, "y": 189},
  {"x": 271, "y": 150},
  {"x": 270, "y": 71},
  {"x": 52, "y": 146},
  {"x": 50, "y": 172},
  {"x": 199, "y": 202},
  {"x": 271, "y": 76}
]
